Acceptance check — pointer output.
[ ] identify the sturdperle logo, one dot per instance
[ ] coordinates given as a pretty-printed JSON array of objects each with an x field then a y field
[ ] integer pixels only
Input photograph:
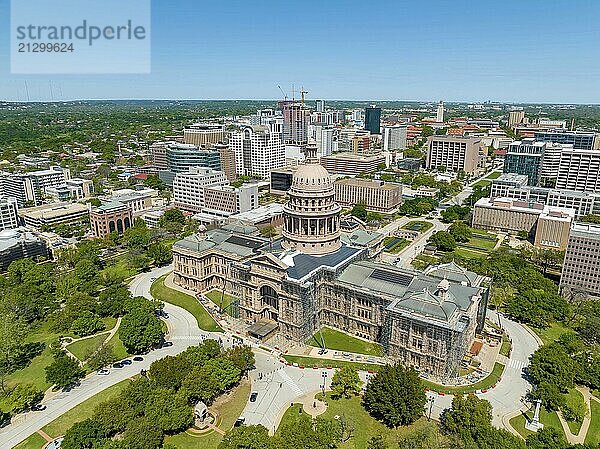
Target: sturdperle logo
[{"x": 80, "y": 36}]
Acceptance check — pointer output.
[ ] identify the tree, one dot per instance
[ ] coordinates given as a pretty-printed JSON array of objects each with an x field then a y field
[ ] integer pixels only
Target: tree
[
  {"x": 160, "y": 254},
  {"x": 23, "y": 397},
  {"x": 141, "y": 433},
  {"x": 552, "y": 364},
  {"x": 443, "y": 241},
  {"x": 550, "y": 395},
  {"x": 247, "y": 437},
  {"x": 140, "y": 331},
  {"x": 242, "y": 357},
  {"x": 111, "y": 301},
  {"x": 201, "y": 384},
  {"x": 12, "y": 333},
  {"x": 63, "y": 371},
  {"x": 172, "y": 216},
  {"x": 268, "y": 231},
  {"x": 460, "y": 232},
  {"x": 546, "y": 438},
  {"x": 114, "y": 415},
  {"x": 395, "y": 396},
  {"x": 154, "y": 182},
  {"x": 359, "y": 211},
  {"x": 377, "y": 442},
  {"x": 169, "y": 372},
  {"x": 88, "y": 323},
  {"x": 169, "y": 412},
  {"x": 225, "y": 371},
  {"x": 102, "y": 357},
  {"x": 87, "y": 434},
  {"x": 345, "y": 382},
  {"x": 454, "y": 213},
  {"x": 198, "y": 355}
]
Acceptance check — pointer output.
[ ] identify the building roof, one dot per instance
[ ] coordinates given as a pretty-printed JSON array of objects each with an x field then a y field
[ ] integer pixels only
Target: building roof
[
  {"x": 301, "y": 265},
  {"x": 585, "y": 230},
  {"x": 240, "y": 245},
  {"x": 53, "y": 210}
]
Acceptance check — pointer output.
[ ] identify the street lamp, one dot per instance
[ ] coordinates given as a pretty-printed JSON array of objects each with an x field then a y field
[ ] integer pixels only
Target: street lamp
[
  {"x": 431, "y": 401},
  {"x": 324, "y": 376}
]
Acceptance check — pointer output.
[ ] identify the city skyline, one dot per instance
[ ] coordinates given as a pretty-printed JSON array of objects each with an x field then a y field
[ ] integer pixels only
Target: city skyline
[{"x": 354, "y": 52}]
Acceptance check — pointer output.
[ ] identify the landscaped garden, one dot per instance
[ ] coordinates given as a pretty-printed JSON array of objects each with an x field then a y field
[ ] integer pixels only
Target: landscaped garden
[
  {"x": 224, "y": 301},
  {"x": 394, "y": 245},
  {"x": 418, "y": 225},
  {"x": 161, "y": 292},
  {"x": 340, "y": 341}
]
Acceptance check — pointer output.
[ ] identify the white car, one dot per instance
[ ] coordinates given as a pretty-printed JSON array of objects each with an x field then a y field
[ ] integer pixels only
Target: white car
[{"x": 103, "y": 372}]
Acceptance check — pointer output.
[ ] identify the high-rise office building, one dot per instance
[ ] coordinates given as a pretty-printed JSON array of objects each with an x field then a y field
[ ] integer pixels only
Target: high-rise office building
[
  {"x": 454, "y": 153},
  {"x": 439, "y": 113},
  {"x": 525, "y": 158},
  {"x": 203, "y": 134},
  {"x": 515, "y": 118},
  {"x": 257, "y": 151},
  {"x": 320, "y": 105},
  {"x": 29, "y": 188},
  {"x": 295, "y": 122},
  {"x": 227, "y": 157},
  {"x": 182, "y": 156},
  {"x": 394, "y": 137},
  {"x": 188, "y": 187},
  {"x": 580, "y": 273},
  {"x": 159, "y": 155},
  {"x": 579, "y": 170},
  {"x": 579, "y": 139},
  {"x": 9, "y": 217},
  {"x": 373, "y": 119}
]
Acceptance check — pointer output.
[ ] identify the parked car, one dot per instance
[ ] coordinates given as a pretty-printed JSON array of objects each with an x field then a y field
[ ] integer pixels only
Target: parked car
[
  {"x": 125, "y": 362},
  {"x": 117, "y": 365},
  {"x": 138, "y": 358},
  {"x": 167, "y": 344},
  {"x": 253, "y": 396},
  {"x": 38, "y": 407},
  {"x": 239, "y": 422},
  {"x": 103, "y": 372}
]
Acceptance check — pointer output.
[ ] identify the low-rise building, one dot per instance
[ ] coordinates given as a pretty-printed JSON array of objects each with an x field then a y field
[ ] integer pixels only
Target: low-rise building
[
  {"x": 188, "y": 187},
  {"x": 110, "y": 217},
  {"x": 72, "y": 189},
  {"x": 268, "y": 215},
  {"x": 18, "y": 244},
  {"x": 580, "y": 273},
  {"x": 139, "y": 201},
  {"x": 352, "y": 164},
  {"x": 377, "y": 196},
  {"x": 54, "y": 214},
  {"x": 233, "y": 200},
  {"x": 549, "y": 225}
]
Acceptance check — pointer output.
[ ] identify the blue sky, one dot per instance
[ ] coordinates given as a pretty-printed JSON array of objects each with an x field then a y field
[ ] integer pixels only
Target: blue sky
[{"x": 475, "y": 50}]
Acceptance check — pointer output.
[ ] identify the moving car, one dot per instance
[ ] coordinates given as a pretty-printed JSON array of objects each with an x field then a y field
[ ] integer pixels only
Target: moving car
[{"x": 253, "y": 396}]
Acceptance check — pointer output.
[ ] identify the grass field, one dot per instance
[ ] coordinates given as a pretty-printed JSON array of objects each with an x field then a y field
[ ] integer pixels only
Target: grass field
[
  {"x": 228, "y": 408},
  {"x": 469, "y": 253},
  {"x": 552, "y": 333},
  {"x": 215, "y": 296},
  {"x": 339, "y": 341},
  {"x": 593, "y": 435},
  {"x": 364, "y": 425},
  {"x": 506, "y": 346},
  {"x": 576, "y": 396},
  {"x": 418, "y": 225},
  {"x": 83, "y": 349},
  {"x": 310, "y": 362},
  {"x": 85, "y": 410},
  {"x": 494, "y": 175},
  {"x": 163, "y": 293},
  {"x": 483, "y": 384},
  {"x": 482, "y": 183},
  {"x": 548, "y": 419}
]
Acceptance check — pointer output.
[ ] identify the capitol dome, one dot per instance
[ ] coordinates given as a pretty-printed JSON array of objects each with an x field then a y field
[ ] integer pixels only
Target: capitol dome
[{"x": 312, "y": 217}]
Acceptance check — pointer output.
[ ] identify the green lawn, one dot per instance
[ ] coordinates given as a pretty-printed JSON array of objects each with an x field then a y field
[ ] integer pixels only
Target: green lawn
[
  {"x": 552, "y": 333},
  {"x": 215, "y": 296},
  {"x": 484, "y": 244},
  {"x": 575, "y": 396},
  {"x": 469, "y": 253},
  {"x": 394, "y": 245},
  {"x": 35, "y": 441},
  {"x": 229, "y": 409},
  {"x": 494, "y": 175},
  {"x": 364, "y": 425},
  {"x": 310, "y": 362},
  {"x": 163, "y": 293},
  {"x": 547, "y": 419},
  {"x": 85, "y": 410},
  {"x": 505, "y": 348},
  {"x": 482, "y": 183},
  {"x": 418, "y": 225},
  {"x": 340, "y": 341},
  {"x": 483, "y": 384},
  {"x": 593, "y": 435},
  {"x": 118, "y": 347},
  {"x": 83, "y": 349}
]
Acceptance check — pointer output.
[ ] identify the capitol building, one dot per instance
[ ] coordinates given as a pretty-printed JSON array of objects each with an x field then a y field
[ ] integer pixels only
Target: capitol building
[{"x": 317, "y": 276}]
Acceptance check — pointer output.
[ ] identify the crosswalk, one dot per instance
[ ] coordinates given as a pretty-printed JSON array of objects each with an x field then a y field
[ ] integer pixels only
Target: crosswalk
[
  {"x": 290, "y": 382},
  {"x": 516, "y": 364}
]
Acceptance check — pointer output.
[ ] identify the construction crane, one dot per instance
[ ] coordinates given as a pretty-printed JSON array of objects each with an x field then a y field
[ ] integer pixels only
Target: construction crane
[
  {"x": 302, "y": 92},
  {"x": 282, "y": 92}
]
